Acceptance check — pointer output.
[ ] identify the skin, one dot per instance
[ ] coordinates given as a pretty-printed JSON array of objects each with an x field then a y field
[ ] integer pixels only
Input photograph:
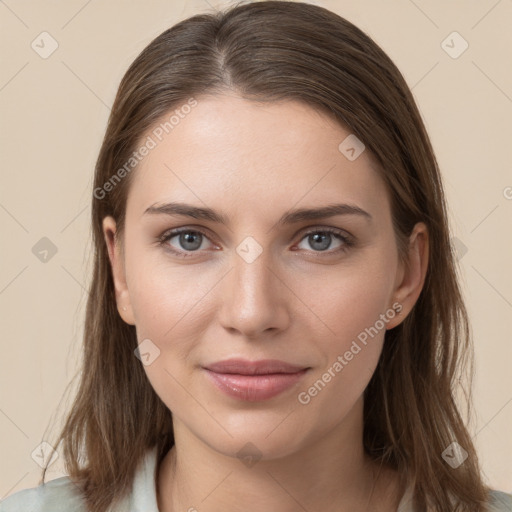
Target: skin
[{"x": 295, "y": 302}]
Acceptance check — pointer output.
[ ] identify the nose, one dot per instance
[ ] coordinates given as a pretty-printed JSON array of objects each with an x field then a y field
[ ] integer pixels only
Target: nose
[{"x": 254, "y": 299}]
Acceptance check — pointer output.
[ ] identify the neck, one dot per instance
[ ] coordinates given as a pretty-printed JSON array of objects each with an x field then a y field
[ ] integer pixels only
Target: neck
[{"x": 332, "y": 474}]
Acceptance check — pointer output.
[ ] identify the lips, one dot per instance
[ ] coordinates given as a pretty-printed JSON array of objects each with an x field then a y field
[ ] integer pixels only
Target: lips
[
  {"x": 262, "y": 367},
  {"x": 254, "y": 380}
]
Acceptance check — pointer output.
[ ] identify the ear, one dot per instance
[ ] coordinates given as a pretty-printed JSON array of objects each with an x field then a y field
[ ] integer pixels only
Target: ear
[
  {"x": 118, "y": 270},
  {"x": 411, "y": 275}
]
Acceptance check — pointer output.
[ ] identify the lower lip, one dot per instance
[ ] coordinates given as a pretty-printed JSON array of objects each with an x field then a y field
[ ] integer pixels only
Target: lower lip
[{"x": 254, "y": 388}]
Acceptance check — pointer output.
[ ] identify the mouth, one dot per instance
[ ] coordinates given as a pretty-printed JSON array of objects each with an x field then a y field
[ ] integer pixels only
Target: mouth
[
  {"x": 254, "y": 381},
  {"x": 261, "y": 367}
]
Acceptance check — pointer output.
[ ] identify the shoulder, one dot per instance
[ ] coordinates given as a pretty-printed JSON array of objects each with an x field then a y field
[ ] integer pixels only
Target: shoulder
[
  {"x": 500, "y": 501},
  {"x": 59, "y": 495},
  {"x": 63, "y": 495}
]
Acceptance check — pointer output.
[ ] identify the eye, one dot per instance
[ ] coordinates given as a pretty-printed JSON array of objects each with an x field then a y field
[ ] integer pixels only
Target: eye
[
  {"x": 188, "y": 241},
  {"x": 321, "y": 239}
]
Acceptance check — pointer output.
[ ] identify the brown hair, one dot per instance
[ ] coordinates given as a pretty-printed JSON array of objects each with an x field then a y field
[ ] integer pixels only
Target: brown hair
[{"x": 271, "y": 51}]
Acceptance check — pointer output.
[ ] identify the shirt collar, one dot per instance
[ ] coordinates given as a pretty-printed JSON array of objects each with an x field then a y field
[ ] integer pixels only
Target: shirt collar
[{"x": 143, "y": 495}]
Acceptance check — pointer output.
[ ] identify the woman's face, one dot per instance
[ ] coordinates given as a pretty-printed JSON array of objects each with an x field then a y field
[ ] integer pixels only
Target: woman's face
[{"x": 266, "y": 283}]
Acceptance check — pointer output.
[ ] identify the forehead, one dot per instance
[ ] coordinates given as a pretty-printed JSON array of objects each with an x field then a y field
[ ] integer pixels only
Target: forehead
[{"x": 253, "y": 156}]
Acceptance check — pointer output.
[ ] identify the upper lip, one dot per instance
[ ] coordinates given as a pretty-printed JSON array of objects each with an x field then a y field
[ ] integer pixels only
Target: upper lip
[{"x": 246, "y": 367}]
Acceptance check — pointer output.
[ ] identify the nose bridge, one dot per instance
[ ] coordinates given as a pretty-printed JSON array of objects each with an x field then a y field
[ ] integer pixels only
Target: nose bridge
[{"x": 252, "y": 301}]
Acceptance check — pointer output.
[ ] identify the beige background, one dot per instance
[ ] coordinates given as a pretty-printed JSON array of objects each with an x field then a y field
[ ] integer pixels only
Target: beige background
[{"x": 54, "y": 112}]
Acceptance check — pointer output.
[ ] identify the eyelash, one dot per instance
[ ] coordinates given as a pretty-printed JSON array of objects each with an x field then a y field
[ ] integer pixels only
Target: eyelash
[{"x": 348, "y": 242}]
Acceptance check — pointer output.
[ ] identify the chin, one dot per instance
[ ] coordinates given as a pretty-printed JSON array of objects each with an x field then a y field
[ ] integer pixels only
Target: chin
[{"x": 265, "y": 437}]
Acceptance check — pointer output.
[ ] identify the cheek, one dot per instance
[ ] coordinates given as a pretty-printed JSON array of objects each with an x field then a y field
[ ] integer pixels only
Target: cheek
[
  {"x": 349, "y": 360},
  {"x": 172, "y": 310},
  {"x": 352, "y": 299},
  {"x": 355, "y": 307},
  {"x": 168, "y": 311},
  {"x": 165, "y": 296}
]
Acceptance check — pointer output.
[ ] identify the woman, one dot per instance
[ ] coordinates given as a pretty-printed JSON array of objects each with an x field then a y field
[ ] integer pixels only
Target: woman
[{"x": 274, "y": 320}]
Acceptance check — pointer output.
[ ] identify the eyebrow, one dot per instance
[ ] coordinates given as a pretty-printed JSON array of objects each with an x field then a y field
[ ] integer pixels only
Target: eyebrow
[{"x": 290, "y": 217}]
